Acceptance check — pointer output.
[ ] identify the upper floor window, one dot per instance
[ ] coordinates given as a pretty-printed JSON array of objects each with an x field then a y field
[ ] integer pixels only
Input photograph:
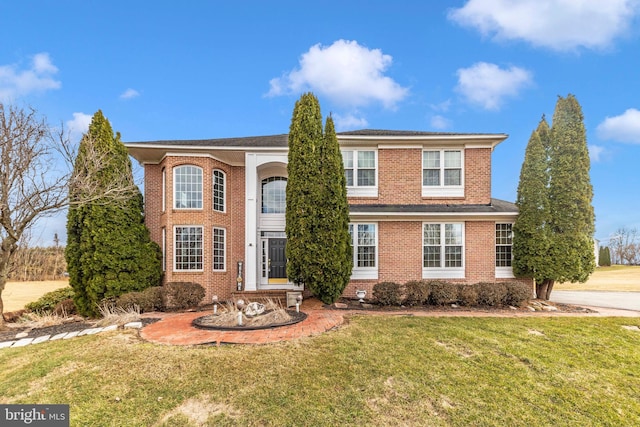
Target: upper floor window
[
  {"x": 443, "y": 249},
  {"x": 188, "y": 250},
  {"x": 218, "y": 190},
  {"x": 360, "y": 168},
  {"x": 442, "y": 173},
  {"x": 274, "y": 195},
  {"x": 187, "y": 184},
  {"x": 164, "y": 189}
]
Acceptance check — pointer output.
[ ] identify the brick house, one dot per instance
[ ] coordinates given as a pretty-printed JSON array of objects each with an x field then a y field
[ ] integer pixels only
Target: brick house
[{"x": 420, "y": 206}]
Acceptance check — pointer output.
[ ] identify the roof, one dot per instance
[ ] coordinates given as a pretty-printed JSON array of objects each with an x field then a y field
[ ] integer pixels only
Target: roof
[{"x": 497, "y": 207}]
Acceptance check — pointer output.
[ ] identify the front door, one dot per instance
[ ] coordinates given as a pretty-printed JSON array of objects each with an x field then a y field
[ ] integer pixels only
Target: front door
[{"x": 277, "y": 260}]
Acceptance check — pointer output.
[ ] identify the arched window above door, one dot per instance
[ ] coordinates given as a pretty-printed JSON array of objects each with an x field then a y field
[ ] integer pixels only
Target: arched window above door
[{"x": 274, "y": 195}]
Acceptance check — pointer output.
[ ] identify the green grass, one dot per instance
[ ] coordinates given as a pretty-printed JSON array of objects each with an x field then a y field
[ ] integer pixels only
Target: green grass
[{"x": 374, "y": 371}]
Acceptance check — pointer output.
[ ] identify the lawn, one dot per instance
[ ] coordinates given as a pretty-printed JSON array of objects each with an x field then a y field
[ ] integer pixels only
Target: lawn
[
  {"x": 17, "y": 294},
  {"x": 614, "y": 278},
  {"x": 376, "y": 370}
]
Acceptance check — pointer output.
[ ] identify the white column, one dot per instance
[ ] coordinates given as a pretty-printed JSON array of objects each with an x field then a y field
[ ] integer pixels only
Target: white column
[{"x": 250, "y": 233}]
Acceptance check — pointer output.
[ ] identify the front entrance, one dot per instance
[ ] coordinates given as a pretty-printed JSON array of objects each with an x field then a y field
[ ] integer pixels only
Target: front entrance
[{"x": 277, "y": 262}]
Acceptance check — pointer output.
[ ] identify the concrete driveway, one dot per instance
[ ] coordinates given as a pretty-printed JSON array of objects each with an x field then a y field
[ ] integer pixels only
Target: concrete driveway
[{"x": 620, "y": 300}]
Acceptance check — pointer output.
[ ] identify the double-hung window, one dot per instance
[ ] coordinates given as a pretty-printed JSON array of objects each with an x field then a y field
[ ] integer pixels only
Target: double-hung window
[
  {"x": 364, "y": 240},
  {"x": 187, "y": 184},
  {"x": 360, "y": 169},
  {"x": 218, "y": 190},
  {"x": 443, "y": 250},
  {"x": 188, "y": 249},
  {"x": 219, "y": 249},
  {"x": 442, "y": 173},
  {"x": 504, "y": 242}
]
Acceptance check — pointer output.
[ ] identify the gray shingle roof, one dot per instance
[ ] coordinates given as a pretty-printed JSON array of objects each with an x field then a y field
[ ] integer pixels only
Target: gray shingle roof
[{"x": 497, "y": 206}]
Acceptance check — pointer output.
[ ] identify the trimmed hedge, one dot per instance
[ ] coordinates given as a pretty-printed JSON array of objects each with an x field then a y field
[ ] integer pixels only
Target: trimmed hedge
[
  {"x": 147, "y": 300},
  {"x": 416, "y": 292},
  {"x": 443, "y": 293},
  {"x": 468, "y": 295},
  {"x": 387, "y": 293},
  {"x": 181, "y": 295},
  {"x": 517, "y": 294},
  {"x": 491, "y": 294}
]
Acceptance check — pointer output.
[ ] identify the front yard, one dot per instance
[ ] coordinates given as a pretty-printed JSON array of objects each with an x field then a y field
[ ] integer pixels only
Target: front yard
[
  {"x": 377, "y": 370},
  {"x": 614, "y": 278}
]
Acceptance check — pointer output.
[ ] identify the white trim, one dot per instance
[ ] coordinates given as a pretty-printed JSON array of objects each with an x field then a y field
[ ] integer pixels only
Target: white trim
[
  {"x": 504, "y": 273},
  {"x": 164, "y": 189},
  {"x": 443, "y": 190},
  {"x": 356, "y": 190},
  {"x": 175, "y": 198},
  {"x": 164, "y": 249},
  {"x": 433, "y": 216},
  {"x": 363, "y": 273},
  {"x": 194, "y": 270}
]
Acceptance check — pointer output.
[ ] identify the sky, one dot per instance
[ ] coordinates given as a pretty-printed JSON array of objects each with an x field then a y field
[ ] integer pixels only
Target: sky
[{"x": 202, "y": 69}]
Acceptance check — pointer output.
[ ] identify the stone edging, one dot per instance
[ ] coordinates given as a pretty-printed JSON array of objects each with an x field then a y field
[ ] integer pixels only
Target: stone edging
[{"x": 22, "y": 342}]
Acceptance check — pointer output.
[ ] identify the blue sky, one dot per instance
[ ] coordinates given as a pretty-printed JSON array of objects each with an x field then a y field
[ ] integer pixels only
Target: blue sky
[{"x": 204, "y": 69}]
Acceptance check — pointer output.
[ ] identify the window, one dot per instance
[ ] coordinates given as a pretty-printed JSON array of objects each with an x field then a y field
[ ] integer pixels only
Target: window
[
  {"x": 360, "y": 168},
  {"x": 164, "y": 189},
  {"x": 219, "y": 249},
  {"x": 218, "y": 190},
  {"x": 188, "y": 248},
  {"x": 504, "y": 240},
  {"x": 187, "y": 182},
  {"x": 443, "y": 248},
  {"x": 164, "y": 249},
  {"x": 363, "y": 240},
  {"x": 442, "y": 173},
  {"x": 274, "y": 195}
]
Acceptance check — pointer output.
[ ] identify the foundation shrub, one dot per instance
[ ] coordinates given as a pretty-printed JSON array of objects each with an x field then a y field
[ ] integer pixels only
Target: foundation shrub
[
  {"x": 181, "y": 295},
  {"x": 416, "y": 292},
  {"x": 387, "y": 293},
  {"x": 147, "y": 300},
  {"x": 517, "y": 294},
  {"x": 442, "y": 293},
  {"x": 48, "y": 302},
  {"x": 468, "y": 295},
  {"x": 491, "y": 294},
  {"x": 65, "y": 307}
]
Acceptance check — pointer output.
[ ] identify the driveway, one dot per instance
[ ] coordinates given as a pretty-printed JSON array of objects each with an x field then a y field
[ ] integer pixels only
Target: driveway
[{"x": 620, "y": 300}]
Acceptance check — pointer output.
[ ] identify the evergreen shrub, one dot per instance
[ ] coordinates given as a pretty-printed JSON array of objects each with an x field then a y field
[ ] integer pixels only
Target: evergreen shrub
[
  {"x": 491, "y": 294},
  {"x": 517, "y": 293},
  {"x": 147, "y": 300},
  {"x": 468, "y": 295},
  {"x": 416, "y": 292},
  {"x": 387, "y": 293},
  {"x": 181, "y": 295},
  {"x": 48, "y": 302},
  {"x": 442, "y": 292}
]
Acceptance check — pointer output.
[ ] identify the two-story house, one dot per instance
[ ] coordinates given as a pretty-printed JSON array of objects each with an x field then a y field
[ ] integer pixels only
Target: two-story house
[{"x": 420, "y": 207}]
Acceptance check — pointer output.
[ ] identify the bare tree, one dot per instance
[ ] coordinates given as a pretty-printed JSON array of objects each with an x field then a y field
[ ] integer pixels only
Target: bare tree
[
  {"x": 625, "y": 246},
  {"x": 36, "y": 170}
]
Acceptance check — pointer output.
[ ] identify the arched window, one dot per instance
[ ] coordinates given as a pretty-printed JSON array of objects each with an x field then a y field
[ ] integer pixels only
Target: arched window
[
  {"x": 274, "y": 195},
  {"x": 218, "y": 190},
  {"x": 187, "y": 186}
]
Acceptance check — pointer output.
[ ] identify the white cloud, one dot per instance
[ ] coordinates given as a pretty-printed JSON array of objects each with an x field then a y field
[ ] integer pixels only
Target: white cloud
[
  {"x": 16, "y": 82},
  {"x": 129, "y": 93},
  {"x": 443, "y": 106},
  {"x": 440, "y": 123},
  {"x": 349, "y": 122},
  {"x": 554, "y": 24},
  {"x": 596, "y": 152},
  {"x": 622, "y": 128},
  {"x": 78, "y": 125},
  {"x": 346, "y": 73},
  {"x": 487, "y": 85}
]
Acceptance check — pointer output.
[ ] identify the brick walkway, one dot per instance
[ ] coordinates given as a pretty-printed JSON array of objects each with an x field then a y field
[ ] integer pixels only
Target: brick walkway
[{"x": 176, "y": 329}]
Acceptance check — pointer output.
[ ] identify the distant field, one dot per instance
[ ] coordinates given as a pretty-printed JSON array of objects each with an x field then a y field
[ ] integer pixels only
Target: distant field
[
  {"x": 17, "y": 294},
  {"x": 614, "y": 278}
]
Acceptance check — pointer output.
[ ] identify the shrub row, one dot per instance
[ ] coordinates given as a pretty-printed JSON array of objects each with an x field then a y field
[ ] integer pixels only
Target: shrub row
[
  {"x": 423, "y": 292},
  {"x": 171, "y": 296}
]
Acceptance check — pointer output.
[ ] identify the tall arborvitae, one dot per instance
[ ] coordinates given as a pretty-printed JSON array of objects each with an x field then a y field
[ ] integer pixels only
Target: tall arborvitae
[
  {"x": 570, "y": 196},
  {"x": 553, "y": 239},
  {"x": 317, "y": 217},
  {"x": 604, "y": 256},
  {"x": 531, "y": 233},
  {"x": 108, "y": 251}
]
